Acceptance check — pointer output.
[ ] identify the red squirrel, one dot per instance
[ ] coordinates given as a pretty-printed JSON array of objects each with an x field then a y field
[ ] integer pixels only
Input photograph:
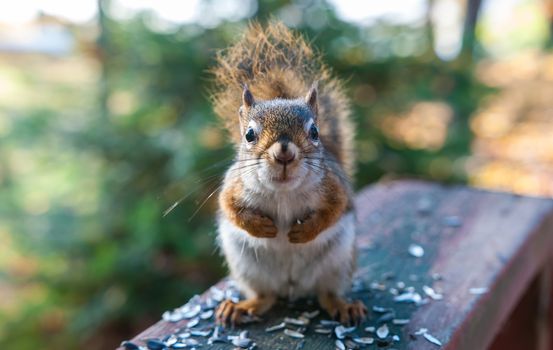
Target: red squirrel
[{"x": 286, "y": 221}]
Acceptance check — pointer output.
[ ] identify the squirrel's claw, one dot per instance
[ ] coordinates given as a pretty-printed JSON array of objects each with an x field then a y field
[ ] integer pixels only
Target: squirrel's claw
[
  {"x": 357, "y": 312},
  {"x": 353, "y": 313},
  {"x": 228, "y": 313}
]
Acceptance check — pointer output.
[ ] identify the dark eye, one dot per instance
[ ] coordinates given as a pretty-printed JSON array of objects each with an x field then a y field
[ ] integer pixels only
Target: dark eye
[
  {"x": 250, "y": 135},
  {"x": 314, "y": 132}
]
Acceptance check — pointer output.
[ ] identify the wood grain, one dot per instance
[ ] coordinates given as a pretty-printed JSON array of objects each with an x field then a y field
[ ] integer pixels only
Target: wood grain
[{"x": 501, "y": 243}]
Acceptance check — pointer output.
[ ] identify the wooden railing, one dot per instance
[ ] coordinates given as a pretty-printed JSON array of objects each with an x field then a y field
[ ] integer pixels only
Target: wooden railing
[{"x": 437, "y": 265}]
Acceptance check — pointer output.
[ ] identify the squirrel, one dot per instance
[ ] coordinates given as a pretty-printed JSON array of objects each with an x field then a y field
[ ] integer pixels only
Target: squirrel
[{"x": 286, "y": 220}]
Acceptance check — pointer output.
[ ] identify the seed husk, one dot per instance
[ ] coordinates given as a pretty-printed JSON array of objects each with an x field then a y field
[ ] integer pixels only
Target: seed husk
[
  {"x": 293, "y": 334},
  {"x": 183, "y": 335},
  {"x": 478, "y": 290},
  {"x": 341, "y": 331},
  {"x": 193, "y": 323},
  {"x": 243, "y": 343},
  {"x": 311, "y": 314},
  {"x": 200, "y": 332},
  {"x": 432, "y": 339},
  {"x": 191, "y": 342},
  {"x": 432, "y": 293},
  {"x": 171, "y": 316},
  {"x": 168, "y": 338},
  {"x": 275, "y": 327},
  {"x": 190, "y": 311},
  {"x": 214, "y": 340},
  {"x": 217, "y": 294},
  {"x": 210, "y": 304},
  {"x": 364, "y": 340},
  {"x": 206, "y": 315},
  {"x": 400, "y": 321},
  {"x": 380, "y": 309},
  {"x": 323, "y": 330},
  {"x": 383, "y": 331},
  {"x": 408, "y": 297},
  {"x": 300, "y": 321},
  {"x": 340, "y": 345},
  {"x": 416, "y": 250}
]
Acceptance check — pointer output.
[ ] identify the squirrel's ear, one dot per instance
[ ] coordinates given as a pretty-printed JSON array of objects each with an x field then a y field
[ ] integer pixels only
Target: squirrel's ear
[
  {"x": 247, "y": 97},
  {"x": 311, "y": 98}
]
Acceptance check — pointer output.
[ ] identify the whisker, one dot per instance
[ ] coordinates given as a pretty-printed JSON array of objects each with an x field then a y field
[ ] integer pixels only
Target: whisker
[{"x": 204, "y": 202}]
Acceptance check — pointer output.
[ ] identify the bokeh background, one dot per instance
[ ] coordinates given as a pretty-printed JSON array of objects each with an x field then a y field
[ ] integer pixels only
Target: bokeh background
[{"x": 110, "y": 152}]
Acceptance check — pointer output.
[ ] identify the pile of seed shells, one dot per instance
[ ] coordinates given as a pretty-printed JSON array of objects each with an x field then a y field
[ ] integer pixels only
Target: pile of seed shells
[{"x": 201, "y": 330}]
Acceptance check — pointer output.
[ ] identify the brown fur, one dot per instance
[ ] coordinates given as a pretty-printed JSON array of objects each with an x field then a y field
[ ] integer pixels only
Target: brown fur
[
  {"x": 277, "y": 63},
  {"x": 334, "y": 203}
]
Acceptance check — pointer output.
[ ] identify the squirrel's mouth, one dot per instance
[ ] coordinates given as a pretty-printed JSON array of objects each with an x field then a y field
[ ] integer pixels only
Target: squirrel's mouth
[{"x": 283, "y": 177}]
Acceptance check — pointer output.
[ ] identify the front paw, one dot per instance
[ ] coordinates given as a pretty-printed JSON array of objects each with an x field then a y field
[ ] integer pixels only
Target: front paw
[
  {"x": 262, "y": 227},
  {"x": 302, "y": 233}
]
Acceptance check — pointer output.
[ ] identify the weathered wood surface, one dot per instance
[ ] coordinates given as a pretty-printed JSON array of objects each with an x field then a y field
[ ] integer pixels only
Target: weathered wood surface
[{"x": 500, "y": 242}]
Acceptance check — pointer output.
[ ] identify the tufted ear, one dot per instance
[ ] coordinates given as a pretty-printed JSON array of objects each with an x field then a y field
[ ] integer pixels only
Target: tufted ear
[
  {"x": 312, "y": 99},
  {"x": 247, "y": 102},
  {"x": 247, "y": 97}
]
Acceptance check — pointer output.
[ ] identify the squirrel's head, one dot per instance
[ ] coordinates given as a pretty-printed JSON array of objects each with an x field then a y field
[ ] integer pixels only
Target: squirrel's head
[{"x": 280, "y": 140}]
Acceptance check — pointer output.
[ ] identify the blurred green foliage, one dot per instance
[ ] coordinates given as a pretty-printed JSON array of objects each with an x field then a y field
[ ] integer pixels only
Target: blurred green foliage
[{"x": 106, "y": 262}]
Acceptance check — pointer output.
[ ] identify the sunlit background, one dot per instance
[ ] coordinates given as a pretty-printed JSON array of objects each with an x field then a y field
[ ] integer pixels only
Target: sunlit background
[{"x": 105, "y": 126}]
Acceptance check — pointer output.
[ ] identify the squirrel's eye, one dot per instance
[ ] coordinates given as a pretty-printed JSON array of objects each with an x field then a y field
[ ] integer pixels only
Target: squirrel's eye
[
  {"x": 314, "y": 132},
  {"x": 250, "y": 135}
]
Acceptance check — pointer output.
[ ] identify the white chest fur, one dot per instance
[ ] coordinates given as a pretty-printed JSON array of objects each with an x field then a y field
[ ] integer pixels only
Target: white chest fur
[{"x": 276, "y": 266}]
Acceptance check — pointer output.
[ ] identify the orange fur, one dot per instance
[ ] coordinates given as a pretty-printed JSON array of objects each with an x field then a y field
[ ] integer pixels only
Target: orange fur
[
  {"x": 251, "y": 220},
  {"x": 333, "y": 205}
]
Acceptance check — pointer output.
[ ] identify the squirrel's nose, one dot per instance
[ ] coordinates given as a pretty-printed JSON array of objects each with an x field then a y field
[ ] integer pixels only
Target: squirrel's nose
[{"x": 285, "y": 155}]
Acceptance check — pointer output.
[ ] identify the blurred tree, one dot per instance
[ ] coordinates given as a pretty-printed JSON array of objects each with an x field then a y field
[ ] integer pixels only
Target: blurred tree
[{"x": 471, "y": 18}]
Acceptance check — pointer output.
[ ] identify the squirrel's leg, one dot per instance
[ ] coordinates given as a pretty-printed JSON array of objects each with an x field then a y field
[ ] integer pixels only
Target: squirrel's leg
[
  {"x": 334, "y": 203},
  {"x": 231, "y": 313},
  {"x": 347, "y": 313},
  {"x": 254, "y": 222}
]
